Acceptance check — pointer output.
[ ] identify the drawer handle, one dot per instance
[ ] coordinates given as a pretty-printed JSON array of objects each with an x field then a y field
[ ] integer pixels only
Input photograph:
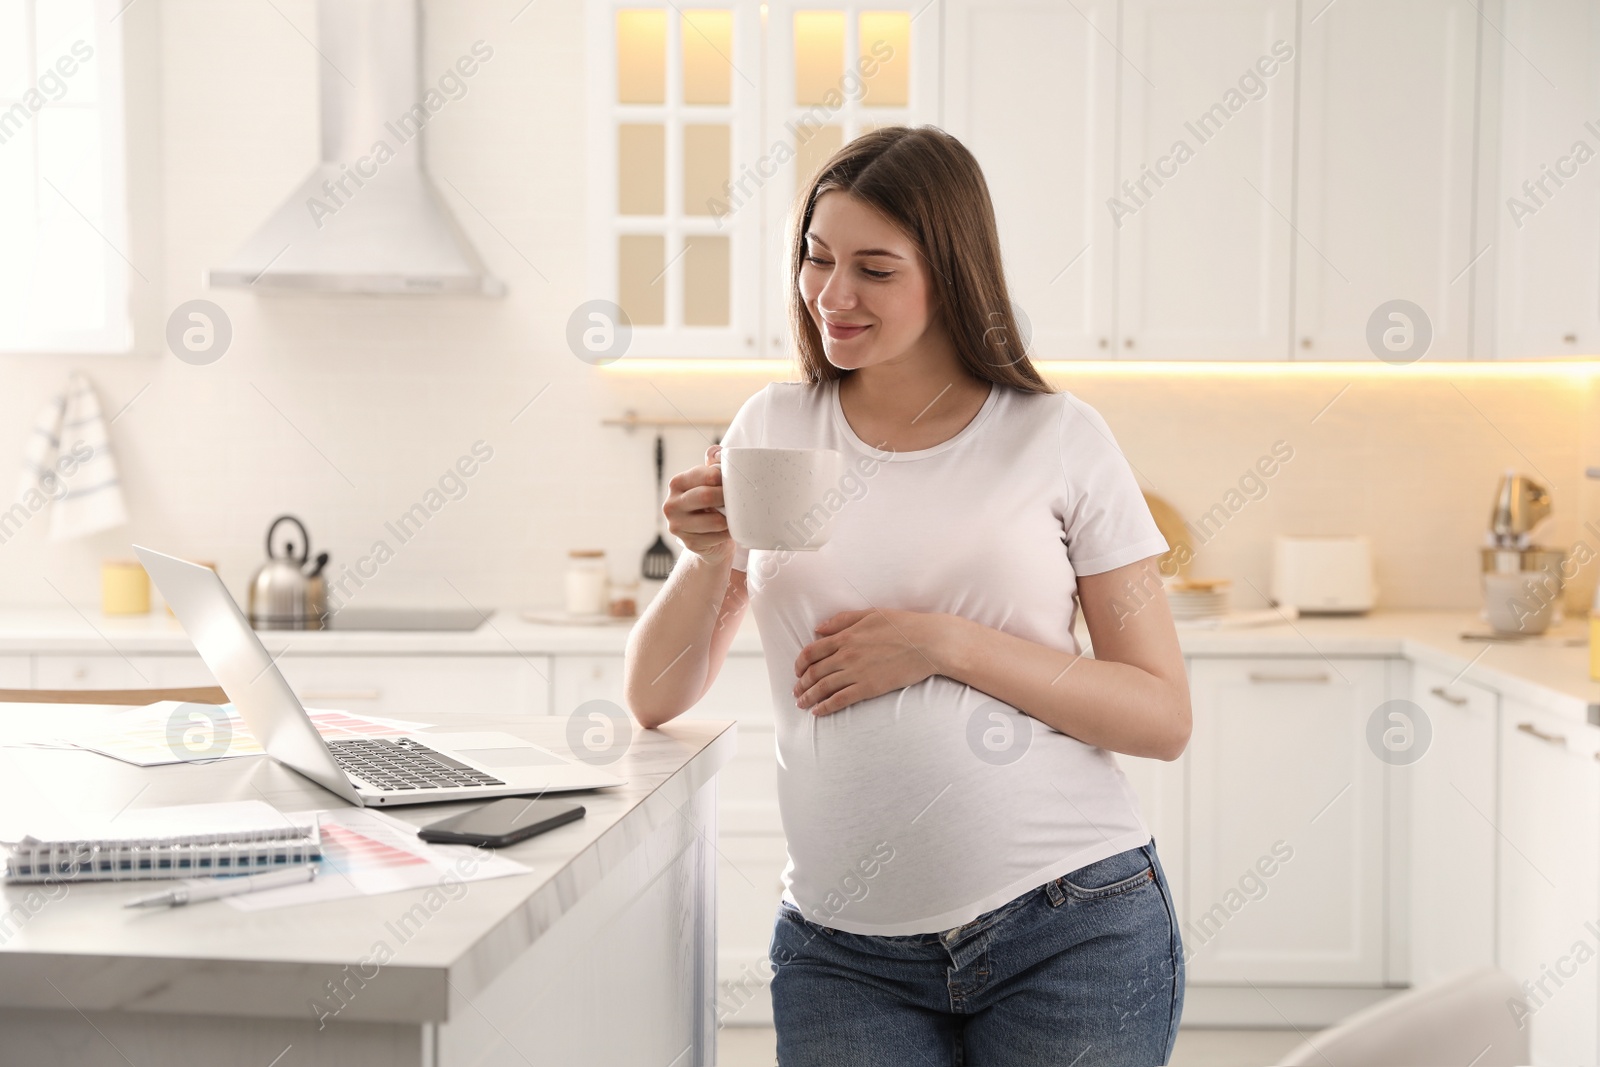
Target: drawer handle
[
  {"x": 1444, "y": 694},
  {"x": 1529, "y": 728},
  {"x": 1309, "y": 676},
  {"x": 342, "y": 694}
]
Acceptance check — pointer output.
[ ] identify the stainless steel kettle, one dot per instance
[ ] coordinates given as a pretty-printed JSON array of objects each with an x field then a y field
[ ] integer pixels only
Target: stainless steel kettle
[{"x": 284, "y": 595}]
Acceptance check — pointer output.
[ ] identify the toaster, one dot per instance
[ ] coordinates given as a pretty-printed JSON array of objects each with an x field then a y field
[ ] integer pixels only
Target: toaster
[{"x": 1329, "y": 575}]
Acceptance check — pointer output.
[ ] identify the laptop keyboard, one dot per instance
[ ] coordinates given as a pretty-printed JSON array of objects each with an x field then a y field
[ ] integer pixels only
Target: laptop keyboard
[{"x": 404, "y": 763}]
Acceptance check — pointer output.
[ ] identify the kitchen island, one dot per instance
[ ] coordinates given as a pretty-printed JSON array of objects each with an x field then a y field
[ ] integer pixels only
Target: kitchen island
[{"x": 605, "y": 953}]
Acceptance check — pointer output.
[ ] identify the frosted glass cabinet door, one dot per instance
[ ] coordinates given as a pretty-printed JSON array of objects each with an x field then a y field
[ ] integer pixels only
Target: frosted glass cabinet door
[
  {"x": 1205, "y": 190},
  {"x": 1387, "y": 127},
  {"x": 833, "y": 71},
  {"x": 1030, "y": 88}
]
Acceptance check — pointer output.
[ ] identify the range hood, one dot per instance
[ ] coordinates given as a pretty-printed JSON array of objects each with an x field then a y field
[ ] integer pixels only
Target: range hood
[{"x": 367, "y": 219}]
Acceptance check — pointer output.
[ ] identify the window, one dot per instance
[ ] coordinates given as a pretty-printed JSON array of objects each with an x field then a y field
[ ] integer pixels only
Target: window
[{"x": 63, "y": 276}]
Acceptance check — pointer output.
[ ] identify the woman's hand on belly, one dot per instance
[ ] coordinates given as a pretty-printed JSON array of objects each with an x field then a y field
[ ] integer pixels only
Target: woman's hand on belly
[{"x": 858, "y": 655}]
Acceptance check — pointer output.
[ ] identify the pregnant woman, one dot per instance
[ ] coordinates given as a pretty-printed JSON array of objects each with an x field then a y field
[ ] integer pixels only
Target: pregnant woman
[{"x": 970, "y": 880}]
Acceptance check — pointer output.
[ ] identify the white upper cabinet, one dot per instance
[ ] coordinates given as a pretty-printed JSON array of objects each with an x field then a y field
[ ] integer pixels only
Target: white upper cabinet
[
  {"x": 1171, "y": 179},
  {"x": 1206, "y": 178},
  {"x": 1030, "y": 88},
  {"x": 1547, "y": 211},
  {"x": 1387, "y": 123}
]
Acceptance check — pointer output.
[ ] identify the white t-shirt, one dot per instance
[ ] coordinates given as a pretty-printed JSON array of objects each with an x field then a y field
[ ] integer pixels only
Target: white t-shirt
[{"x": 921, "y": 809}]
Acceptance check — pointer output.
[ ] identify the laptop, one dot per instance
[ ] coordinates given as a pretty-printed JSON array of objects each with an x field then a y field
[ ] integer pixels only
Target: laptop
[{"x": 366, "y": 771}]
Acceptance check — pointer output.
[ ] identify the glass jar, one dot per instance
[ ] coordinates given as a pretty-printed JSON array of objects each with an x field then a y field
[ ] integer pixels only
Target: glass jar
[
  {"x": 624, "y": 600},
  {"x": 587, "y": 582}
]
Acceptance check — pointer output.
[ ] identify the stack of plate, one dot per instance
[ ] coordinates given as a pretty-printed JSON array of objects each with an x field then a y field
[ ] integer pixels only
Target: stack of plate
[{"x": 1198, "y": 599}]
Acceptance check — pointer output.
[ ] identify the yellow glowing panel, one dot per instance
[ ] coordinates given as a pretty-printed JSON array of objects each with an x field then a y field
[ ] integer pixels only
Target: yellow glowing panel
[
  {"x": 641, "y": 169},
  {"x": 642, "y": 56},
  {"x": 886, "y": 43},
  {"x": 813, "y": 146},
  {"x": 707, "y": 57},
  {"x": 707, "y": 157},
  {"x": 818, "y": 56},
  {"x": 705, "y": 281},
  {"x": 641, "y": 278}
]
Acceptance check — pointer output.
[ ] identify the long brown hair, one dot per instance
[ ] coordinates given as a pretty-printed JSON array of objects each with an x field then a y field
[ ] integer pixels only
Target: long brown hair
[{"x": 929, "y": 185}]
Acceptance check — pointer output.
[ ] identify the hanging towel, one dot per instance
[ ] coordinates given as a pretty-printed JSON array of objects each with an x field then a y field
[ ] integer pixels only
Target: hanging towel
[{"x": 68, "y": 461}]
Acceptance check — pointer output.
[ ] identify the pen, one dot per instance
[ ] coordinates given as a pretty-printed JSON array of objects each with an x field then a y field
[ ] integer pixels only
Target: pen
[{"x": 226, "y": 887}]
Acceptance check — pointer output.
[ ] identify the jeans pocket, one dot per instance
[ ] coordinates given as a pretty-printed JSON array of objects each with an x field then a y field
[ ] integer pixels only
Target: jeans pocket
[{"x": 1110, "y": 877}]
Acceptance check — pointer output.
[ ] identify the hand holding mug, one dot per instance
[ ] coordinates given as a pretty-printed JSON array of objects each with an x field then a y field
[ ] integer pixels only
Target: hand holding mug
[{"x": 693, "y": 510}]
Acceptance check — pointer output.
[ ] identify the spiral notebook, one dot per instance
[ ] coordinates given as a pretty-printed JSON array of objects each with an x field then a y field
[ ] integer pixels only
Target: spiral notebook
[{"x": 191, "y": 840}]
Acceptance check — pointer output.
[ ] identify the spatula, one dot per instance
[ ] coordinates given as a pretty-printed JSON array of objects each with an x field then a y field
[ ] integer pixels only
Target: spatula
[{"x": 658, "y": 558}]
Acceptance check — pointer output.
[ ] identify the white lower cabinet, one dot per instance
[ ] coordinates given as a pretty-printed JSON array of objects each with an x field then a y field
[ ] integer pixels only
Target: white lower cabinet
[
  {"x": 1453, "y": 844},
  {"x": 16, "y": 672},
  {"x": 1163, "y": 791},
  {"x": 749, "y": 885},
  {"x": 1549, "y": 877},
  {"x": 113, "y": 671},
  {"x": 751, "y": 852},
  {"x": 1286, "y": 823},
  {"x": 430, "y": 689}
]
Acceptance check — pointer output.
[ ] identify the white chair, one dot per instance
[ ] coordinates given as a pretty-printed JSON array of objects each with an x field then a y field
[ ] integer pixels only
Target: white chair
[{"x": 1459, "y": 1020}]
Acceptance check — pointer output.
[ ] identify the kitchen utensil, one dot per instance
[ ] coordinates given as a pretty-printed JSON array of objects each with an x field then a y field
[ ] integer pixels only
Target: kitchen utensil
[
  {"x": 775, "y": 496},
  {"x": 658, "y": 558},
  {"x": 1323, "y": 575},
  {"x": 283, "y": 596}
]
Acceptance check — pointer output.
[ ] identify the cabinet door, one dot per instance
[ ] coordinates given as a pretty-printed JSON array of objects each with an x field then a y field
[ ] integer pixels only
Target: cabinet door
[
  {"x": 440, "y": 690},
  {"x": 1030, "y": 87},
  {"x": 1548, "y": 207},
  {"x": 1387, "y": 122},
  {"x": 1204, "y": 182},
  {"x": 1550, "y": 876},
  {"x": 1453, "y": 842},
  {"x": 1286, "y": 821}
]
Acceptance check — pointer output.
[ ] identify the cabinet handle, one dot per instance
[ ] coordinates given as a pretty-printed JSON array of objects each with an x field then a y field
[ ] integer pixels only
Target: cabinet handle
[
  {"x": 1570, "y": 338},
  {"x": 1127, "y": 343},
  {"x": 1104, "y": 343},
  {"x": 1529, "y": 728},
  {"x": 342, "y": 694},
  {"x": 1305, "y": 342},
  {"x": 1448, "y": 697},
  {"x": 1310, "y": 676}
]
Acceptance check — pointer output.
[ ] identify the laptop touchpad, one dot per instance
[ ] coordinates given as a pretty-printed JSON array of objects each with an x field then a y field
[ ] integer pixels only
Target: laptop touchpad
[{"x": 510, "y": 757}]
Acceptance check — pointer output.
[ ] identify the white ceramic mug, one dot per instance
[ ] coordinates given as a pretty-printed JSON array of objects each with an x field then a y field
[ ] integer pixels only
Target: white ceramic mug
[{"x": 775, "y": 498}]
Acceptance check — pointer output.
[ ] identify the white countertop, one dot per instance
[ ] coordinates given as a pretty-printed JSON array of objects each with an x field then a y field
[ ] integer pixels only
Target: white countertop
[
  {"x": 213, "y": 960},
  {"x": 1546, "y": 670}
]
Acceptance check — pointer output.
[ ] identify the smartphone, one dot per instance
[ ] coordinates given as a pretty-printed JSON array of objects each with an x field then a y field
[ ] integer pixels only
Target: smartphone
[{"x": 503, "y": 822}]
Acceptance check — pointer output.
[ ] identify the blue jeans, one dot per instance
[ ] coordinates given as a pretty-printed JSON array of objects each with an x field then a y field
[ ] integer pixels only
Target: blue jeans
[{"x": 1085, "y": 970}]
